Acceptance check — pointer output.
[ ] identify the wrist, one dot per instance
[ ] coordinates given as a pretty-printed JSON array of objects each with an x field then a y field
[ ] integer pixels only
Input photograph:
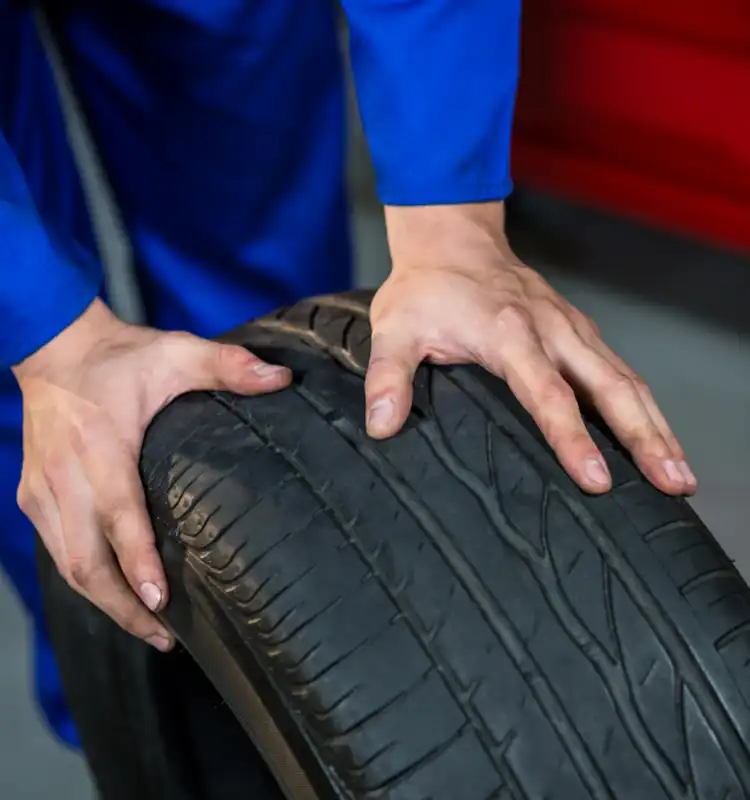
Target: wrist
[
  {"x": 434, "y": 236},
  {"x": 72, "y": 344}
]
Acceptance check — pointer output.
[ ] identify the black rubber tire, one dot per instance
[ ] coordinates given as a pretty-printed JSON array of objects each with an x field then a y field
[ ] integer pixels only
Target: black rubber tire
[
  {"x": 443, "y": 615},
  {"x": 152, "y": 727}
]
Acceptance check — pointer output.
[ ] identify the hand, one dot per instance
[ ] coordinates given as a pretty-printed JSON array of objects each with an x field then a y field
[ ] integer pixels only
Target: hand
[
  {"x": 457, "y": 294},
  {"x": 88, "y": 396}
]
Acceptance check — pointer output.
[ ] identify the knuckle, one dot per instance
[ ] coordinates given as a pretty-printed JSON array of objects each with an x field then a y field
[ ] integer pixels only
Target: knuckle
[
  {"x": 226, "y": 356},
  {"x": 558, "y": 322},
  {"x": 114, "y": 514},
  {"x": 639, "y": 384},
  {"x": 54, "y": 469},
  {"x": 67, "y": 577},
  {"x": 626, "y": 382},
  {"x": 675, "y": 449},
  {"x": 515, "y": 320},
  {"x": 556, "y": 394},
  {"x": 139, "y": 559},
  {"x": 387, "y": 368},
  {"x": 574, "y": 442},
  {"x": 649, "y": 444},
  {"x": 174, "y": 349},
  {"x": 550, "y": 309},
  {"x": 82, "y": 573},
  {"x": 381, "y": 308},
  {"x": 132, "y": 620},
  {"x": 51, "y": 471},
  {"x": 175, "y": 340},
  {"x": 121, "y": 512},
  {"x": 587, "y": 329},
  {"x": 82, "y": 433},
  {"x": 390, "y": 363},
  {"x": 65, "y": 572},
  {"x": 618, "y": 382},
  {"x": 590, "y": 325},
  {"x": 25, "y": 497},
  {"x": 383, "y": 341},
  {"x": 557, "y": 412}
]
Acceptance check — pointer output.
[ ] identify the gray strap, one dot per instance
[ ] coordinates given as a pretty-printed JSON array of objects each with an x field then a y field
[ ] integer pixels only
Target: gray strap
[{"x": 113, "y": 244}]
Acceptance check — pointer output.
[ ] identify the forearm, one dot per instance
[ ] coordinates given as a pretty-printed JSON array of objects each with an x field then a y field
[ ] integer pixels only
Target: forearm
[
  {"x": 451, "y": 236},
  {"x": 436, "y": 81}
]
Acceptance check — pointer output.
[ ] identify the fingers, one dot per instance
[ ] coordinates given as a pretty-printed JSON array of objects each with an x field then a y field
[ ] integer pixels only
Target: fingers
[
  {"x": 204, "y": 364},
  {"x": 88, "y": 563},
  {"x": 549, "y": 399},
  {"x": 388, "y": 385},
  {"x": 83, "y": 453},
  {"x": 111, "y": 474},
  {"x": 648, "y": 400},
  {"x": 628, "y": 407},
  {"x": 123, "y": 519},
  {"x": 36, "y": 501}
]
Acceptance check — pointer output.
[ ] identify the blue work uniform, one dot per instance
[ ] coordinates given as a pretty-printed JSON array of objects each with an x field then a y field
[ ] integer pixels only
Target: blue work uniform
[{"x": 222, "y": 132}]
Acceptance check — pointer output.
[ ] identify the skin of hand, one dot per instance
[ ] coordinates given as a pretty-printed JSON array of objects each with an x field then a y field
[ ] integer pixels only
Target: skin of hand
[
  {"x": 88, "y": 396},
  {"x": 457, "y": 294}
]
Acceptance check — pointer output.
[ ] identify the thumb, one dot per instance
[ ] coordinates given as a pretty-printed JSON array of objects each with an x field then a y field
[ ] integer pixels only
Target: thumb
[
  {"x": 228, "y": 367},
  {"x": 389, "y": 383}
]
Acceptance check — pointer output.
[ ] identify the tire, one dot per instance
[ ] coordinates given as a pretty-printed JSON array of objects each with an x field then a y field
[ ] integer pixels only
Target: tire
[
  {"x": 151, "y": 726},
  {"x": 443, "y": 615}
]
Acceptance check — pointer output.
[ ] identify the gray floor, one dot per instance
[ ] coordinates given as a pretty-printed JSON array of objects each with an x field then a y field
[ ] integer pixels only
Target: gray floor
[
  {"x": 676, "y": 310},
  {"x": 32, "y": 765}
]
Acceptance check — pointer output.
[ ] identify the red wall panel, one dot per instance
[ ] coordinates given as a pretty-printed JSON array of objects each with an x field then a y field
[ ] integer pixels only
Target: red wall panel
[{"x": 641, "y": 107}]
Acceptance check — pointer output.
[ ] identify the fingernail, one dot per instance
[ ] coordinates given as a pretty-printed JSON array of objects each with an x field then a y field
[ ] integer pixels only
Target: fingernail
[
  {"x": 687, "y": 473},
  {"x": 151, "y": 595},
  {"x": 263, "y": 370},
  {"x": 596, "y": 472},
  {"x": 269, "y": 372},
  {"x": 162, "y": 643},
  {"x": 380, "y": 414},
  {"x": 673, "y": 472}
]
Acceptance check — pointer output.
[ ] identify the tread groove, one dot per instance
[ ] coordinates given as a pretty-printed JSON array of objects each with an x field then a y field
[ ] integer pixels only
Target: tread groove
[
  {"x": 702, "y": 578},
  {"x": 612, "y": 655},
  {"x": 664, "y": 628},
  {"x": 393, "y": 702},
  {"x": 496, "y": 619},
  {"x": 484, "y": 736},
  {"x": 542, "y": 567},
  {"x": 731, "y": 636},
  {"x": 435, "y": 753}
]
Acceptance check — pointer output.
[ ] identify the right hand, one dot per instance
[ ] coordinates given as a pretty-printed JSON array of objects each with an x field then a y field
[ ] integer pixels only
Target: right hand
[{"x": 88, "y": 396}]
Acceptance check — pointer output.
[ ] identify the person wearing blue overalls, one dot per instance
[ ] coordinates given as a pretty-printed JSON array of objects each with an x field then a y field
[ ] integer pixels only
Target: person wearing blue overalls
[{"x": 221, "y": 129}]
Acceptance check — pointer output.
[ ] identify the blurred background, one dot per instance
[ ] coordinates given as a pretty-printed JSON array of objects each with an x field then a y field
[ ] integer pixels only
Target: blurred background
[{"x": 632, "y": 165}]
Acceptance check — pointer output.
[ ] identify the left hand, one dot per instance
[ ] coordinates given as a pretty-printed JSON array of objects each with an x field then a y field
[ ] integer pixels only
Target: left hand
[{"x": 457, "y": 294}]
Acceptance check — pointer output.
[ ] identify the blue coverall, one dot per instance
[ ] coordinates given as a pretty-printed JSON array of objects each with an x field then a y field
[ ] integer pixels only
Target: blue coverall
[{"x": 220, "y": 125}]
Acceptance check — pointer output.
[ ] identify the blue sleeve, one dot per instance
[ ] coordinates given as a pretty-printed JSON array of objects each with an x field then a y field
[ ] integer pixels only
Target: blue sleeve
[
  {"x": 436, "y": 82},
  {"x": 44, "y": 286}
]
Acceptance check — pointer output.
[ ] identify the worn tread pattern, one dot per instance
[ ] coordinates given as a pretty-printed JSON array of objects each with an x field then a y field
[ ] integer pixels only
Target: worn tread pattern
[{"x": 445, "y": 614}]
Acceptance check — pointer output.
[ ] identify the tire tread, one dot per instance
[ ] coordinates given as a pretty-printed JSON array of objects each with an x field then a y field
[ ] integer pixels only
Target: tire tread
[{"x": 450, "y": 598}]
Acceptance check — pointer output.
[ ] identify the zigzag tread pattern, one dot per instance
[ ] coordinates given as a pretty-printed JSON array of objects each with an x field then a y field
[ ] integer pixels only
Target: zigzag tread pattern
[{"x": 444, "y": 612}]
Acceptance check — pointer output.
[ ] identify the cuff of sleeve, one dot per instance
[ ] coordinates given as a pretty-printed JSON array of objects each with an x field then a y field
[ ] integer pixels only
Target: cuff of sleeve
[
  {"x": 450, "y": 194},
  {"x": 48, "y": 320},
  {"x": 45, "y": 287}
]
